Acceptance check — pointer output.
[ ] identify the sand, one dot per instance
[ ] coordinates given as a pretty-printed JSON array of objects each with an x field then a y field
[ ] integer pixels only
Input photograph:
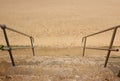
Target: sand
[
  {"x": 58, "y": 27},
  {"x": 59, "y": 23}
]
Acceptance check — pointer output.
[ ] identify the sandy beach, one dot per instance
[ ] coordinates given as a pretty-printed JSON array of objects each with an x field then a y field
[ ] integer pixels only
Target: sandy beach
[
  {"x": 58, "y": 27},
  {"x": 59, "y": 23}
]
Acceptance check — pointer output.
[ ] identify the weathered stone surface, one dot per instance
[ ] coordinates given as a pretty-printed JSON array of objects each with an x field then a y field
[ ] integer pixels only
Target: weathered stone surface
[{"x": 64, "y": 68}]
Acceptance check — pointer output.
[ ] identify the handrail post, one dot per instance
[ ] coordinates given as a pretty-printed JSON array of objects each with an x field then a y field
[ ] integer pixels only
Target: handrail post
[
  {"x": 84, "y": 40},
  {"x": 32, "y": 45},
  {"x": 111, "y": 44},
  {"x": 118, "y": 74},
  {"x": 8, "y": 44}
]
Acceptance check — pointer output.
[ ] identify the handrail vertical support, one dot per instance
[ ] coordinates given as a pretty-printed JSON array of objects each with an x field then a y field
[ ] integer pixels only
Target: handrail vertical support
[
  {"x": 111, "y": 44},
  {"x": 84, "y": 40},
  {"x": 32, "y": 45},
  {"x": 8, "y": 44},
  {"x": 118, "y": 74}
]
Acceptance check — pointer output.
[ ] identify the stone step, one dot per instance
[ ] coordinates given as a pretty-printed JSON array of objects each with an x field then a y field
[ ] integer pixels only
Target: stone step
[{"x": 51, "y": 68}]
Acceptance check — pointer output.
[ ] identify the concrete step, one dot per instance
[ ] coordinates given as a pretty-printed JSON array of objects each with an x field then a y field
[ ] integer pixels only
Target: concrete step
[{"x": 64, "y": 68}]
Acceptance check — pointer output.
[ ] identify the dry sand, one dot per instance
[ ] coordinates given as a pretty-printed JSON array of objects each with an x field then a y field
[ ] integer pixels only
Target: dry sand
[{"x": 59, "y": 23}]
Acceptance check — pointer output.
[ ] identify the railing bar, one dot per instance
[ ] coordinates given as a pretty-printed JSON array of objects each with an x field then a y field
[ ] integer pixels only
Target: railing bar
[
  {"x": 14, "y": 48},
  {"x": 9, "y": 48},
  {"x": 14, "y": 30},
  {"x": 111, "y": 44},
  {"x": 32, "y": 45},
  {"x": 102, "y": 31},
  {"x": 17, "y": 32},
  {"x": 84, "y": 45},
  {"x": 20, "y": 47},
  {"x": 102, "y": 49},
  {"x": 8, "y": 44}
]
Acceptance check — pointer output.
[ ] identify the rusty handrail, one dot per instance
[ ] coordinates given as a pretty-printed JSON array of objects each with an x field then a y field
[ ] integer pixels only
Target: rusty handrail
[
  {"x": 105, "y": 49},
  {"x": 102, "y": 31},
  {"x": 3, "y": 26},
  {"x": 84, "y": 40},
  {"x": 9, "y": 48},
  {"x": 14, "y": 48}
]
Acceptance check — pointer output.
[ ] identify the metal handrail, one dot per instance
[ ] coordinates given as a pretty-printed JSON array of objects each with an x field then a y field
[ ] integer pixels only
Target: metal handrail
[
  {"x": 84, "y": 40},
  {"x": 4, "y": 26},
  {"x": 105, "y": 49},
  {"x": 102, "y": 31},
  {"x": 9, "y": 48},
  {"x": 14, "y": 48}
]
